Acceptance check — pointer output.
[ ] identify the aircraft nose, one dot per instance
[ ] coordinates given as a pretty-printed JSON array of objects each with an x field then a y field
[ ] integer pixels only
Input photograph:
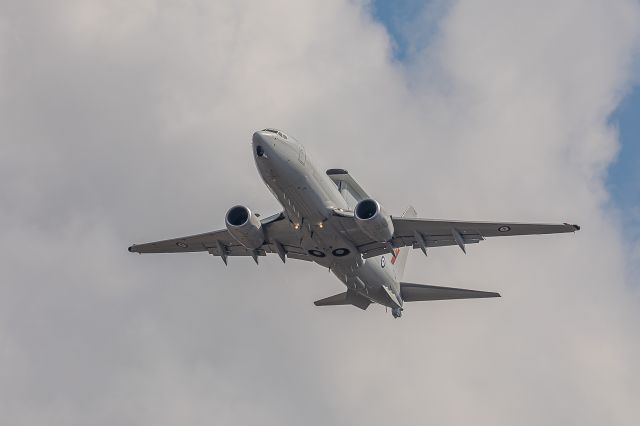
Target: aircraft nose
[
  {"x": 259, "y": 143},
  {"x": 257, "y": 138}
]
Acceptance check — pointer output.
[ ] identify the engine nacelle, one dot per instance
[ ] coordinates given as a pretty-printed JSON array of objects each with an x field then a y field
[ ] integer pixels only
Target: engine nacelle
[
  {"x": 373, "y": 220},
  {"x": 245, "y": 227}
]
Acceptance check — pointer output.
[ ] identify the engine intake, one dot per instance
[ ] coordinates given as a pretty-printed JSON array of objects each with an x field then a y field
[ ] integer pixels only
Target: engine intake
[
  {"x": 373, "y": 220},
  {"x": 245, "y": 227}
]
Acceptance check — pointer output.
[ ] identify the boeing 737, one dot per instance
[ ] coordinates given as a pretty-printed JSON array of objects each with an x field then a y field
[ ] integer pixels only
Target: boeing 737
[{"x": 327, "y": 218}]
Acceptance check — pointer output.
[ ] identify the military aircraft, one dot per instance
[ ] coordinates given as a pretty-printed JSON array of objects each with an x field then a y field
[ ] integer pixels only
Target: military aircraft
[{"x": 329, "y": 219}]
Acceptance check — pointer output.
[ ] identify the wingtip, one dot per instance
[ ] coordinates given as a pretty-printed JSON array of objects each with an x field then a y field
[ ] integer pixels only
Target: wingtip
[{"x": 574, "y": 226}]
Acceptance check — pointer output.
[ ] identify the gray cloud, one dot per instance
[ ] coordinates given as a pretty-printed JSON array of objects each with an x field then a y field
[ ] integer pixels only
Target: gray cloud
[{"x": 130, "y": 121}]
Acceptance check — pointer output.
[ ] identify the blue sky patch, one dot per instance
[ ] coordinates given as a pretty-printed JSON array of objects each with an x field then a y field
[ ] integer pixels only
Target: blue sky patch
[{"x": 623, "y": 180}]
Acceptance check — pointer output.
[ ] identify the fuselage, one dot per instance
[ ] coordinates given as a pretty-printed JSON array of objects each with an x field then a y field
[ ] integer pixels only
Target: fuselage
[{"x": 309, "y": 197}]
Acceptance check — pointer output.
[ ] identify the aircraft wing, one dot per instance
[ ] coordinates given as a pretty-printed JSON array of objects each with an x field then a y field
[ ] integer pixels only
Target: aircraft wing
[
  {"x": 277, "y": 230},
  {"x": 424, "y": 233}
]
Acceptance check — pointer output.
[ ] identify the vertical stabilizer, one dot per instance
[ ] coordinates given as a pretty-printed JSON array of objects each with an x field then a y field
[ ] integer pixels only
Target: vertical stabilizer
[{"x": 400, "y": 259}]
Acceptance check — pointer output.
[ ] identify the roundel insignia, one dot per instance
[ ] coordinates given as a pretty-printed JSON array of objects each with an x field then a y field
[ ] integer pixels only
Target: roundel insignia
[
  {"x": 181, "y": 244},
  {"x": 339, "y": 252},
  {"x": 382, "y": 262},
  {"x": 316, "y": 253},
  {"x": 504, "y": 229}
]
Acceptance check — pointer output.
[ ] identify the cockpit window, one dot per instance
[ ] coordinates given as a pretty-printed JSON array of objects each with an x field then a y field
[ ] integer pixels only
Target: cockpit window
[{"x": 277, "y": 132}]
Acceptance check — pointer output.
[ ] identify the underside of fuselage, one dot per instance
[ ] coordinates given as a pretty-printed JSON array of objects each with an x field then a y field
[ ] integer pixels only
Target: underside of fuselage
[
  {"x": 308, "y": 198},
  {"x": 328, "y": 218}
]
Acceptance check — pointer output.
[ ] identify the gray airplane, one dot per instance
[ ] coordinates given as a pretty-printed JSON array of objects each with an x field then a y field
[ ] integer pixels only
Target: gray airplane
[{"x": 329, "y": 219}]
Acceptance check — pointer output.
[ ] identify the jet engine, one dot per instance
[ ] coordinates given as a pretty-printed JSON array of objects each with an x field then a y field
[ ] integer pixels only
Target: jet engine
[
  {"x": 245, "y": 227},
  {"x": 373, "y": 220}
]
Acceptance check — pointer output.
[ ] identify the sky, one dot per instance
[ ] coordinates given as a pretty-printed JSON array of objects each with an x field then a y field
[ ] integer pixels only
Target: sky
[
  {"x": 623, "y": 177},
  {"x": 130, "y": 121}
]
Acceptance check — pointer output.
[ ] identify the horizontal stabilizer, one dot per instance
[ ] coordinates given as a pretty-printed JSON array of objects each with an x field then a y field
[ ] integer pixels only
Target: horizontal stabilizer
[
  {"x": 420, "y": 292},
  {"x": 346, "y": 298}
]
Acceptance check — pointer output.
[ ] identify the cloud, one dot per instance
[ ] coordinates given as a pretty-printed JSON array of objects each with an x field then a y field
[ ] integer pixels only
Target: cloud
[{"x": 131, "y": 121}]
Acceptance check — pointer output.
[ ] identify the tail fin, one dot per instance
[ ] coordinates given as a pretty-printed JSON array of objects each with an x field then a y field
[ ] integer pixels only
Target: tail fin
[{"x": 400, "y": 259}]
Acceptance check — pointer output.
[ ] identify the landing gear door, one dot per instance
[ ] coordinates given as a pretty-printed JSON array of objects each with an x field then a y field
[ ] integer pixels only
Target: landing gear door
[{"x": 302, "y": 157}]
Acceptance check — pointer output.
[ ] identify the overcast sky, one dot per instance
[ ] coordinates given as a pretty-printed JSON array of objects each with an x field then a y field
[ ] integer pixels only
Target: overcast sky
[{"x": 129, "y": 121}]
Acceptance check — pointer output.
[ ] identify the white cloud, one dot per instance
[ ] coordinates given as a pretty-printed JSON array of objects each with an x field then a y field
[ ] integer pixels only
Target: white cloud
[{"x": 130, "y": 121}]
